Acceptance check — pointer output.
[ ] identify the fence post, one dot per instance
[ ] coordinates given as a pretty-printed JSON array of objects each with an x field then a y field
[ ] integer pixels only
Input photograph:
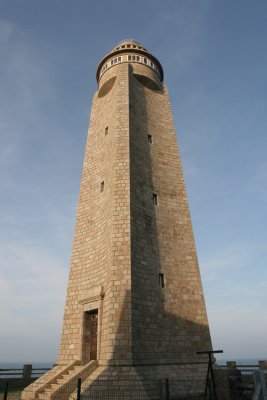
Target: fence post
[
  {"x": 261, "y": 390},
  {"x": 6, "y": 391},
  {"x": 167, "y": 388},
  {"x": 231, "y": 364},
  {"x": 263, "y": 364},
  {"x": 263, "y": 385},
  {"x": 79, "y": 384},
  {"x": 27, "y": 371},
  {"x": 161, "y": 389}
]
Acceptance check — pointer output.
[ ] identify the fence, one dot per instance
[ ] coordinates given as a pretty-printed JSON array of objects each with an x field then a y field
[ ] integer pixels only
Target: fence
[
  {"x": 18, "y": 378},
  {"x": 245, "y": 386},
  {"x": 232, "y": 383},
  {"x": 123, "y": 389},
  {"x": 118, "y": 390},
  {"x": 26, "y": 372},
  {"x": 248, "y": 385}
]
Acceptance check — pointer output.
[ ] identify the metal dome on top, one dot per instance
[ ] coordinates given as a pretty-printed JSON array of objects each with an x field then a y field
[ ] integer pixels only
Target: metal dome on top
[{"x": 129, "y": 42}]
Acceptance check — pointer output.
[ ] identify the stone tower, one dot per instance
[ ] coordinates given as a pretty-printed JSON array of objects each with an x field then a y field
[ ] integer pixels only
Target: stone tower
[{"x": 134, "y": 293}]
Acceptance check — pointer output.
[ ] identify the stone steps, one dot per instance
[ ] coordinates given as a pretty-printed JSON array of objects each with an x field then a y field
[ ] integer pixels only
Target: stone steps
[
  {"x": 46, "y": 393},
  {"x": 63, "y": 383}
]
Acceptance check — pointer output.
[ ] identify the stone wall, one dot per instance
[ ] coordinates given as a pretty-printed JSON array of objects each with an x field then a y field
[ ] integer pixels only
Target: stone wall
[{"x": 133, "y": 224}]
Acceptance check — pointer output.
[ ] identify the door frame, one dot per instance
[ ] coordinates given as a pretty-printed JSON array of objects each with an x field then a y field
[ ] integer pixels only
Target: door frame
[
  {"x": 89, "y": 316},
  {"x": 90, "y": 304}
]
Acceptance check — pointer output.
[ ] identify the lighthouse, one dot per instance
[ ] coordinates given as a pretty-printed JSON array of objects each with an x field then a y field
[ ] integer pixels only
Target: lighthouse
[{"x": 135, "y": 300}]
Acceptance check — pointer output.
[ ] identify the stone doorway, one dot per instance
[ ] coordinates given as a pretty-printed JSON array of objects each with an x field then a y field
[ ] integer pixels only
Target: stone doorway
[{"x": 90, "y": 335}]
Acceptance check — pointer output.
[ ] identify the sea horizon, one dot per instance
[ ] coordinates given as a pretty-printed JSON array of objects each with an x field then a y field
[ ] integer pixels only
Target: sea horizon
[
  {"x": 49, "y": 364},
  {"x": 42, "y": 364}
]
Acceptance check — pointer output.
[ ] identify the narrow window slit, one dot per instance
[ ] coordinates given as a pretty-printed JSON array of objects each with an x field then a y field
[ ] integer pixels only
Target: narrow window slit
[{"x": 161, "y": 280}]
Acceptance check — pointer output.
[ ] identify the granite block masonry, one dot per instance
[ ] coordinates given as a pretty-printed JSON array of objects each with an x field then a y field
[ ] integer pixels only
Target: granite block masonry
[{"x": 134, "y": 293}]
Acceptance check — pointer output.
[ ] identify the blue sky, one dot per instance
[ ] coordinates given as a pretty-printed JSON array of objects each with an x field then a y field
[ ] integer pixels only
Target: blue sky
[{"x": 215, "y": 61}]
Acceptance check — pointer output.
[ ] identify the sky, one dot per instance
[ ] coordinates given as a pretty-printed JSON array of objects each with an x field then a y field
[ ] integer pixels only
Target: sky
[{"x": 214, "y": 57}]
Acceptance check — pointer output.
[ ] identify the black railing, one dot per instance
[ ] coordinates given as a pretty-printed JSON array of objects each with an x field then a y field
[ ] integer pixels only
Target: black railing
[
  {"x": 120, "y": 389},
  {"x": 232, "y": 384},
  {"x": 19, "y": 378},
  {"x": 26, "y": 372}
]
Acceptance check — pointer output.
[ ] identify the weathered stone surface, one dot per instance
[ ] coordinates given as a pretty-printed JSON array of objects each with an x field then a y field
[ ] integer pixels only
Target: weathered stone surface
[
  {"x": 123, "y": 241},
  {"x": 133, "y": 223}
]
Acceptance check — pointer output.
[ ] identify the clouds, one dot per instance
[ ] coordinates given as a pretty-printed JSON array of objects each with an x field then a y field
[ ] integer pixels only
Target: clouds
[
  {"x": 188, "y": 36},
  {"x": 32, "y": 281},
  {"x": 32, "y": 275},
  {"x": 26, "y": 77},
  {"x": 215, "y": 66},
  {"x": 34, "y": 141},
  {"x": 26, "y": 85},
  {"x": 232, "y": 273},
  {"x": 6, "y": 30},
  {"x": 236, "y": 298},
  {"x": 238, "y": 330}
]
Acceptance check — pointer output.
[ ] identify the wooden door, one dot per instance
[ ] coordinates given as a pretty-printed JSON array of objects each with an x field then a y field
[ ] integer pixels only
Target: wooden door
[{"x": 93, "y": 334}]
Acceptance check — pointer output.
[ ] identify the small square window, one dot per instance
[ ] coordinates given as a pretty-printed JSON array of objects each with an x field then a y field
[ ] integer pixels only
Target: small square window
[
  {"x": 155, "y": 199},
  {"x": 102, "y": 186},
  {"x": 161, "y": 280},
  {"x": 149, "y": 138}
]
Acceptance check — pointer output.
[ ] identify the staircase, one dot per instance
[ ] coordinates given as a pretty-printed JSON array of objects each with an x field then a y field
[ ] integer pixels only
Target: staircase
[
  {"x": 49, "y": 391},
  {"x": 63, "y": 384}
]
